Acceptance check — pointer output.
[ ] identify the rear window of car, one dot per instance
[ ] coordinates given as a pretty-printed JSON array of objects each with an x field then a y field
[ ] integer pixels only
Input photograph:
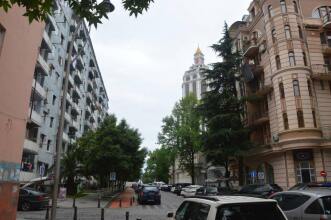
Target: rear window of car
[
  {"x": 290, "y": 201},
  {"x": 192, "y": 211},
  {"x": 252, "y": 211},
  {"x": 151, "y": 188},
  {"x": 320, "y": 206},
  {"x": 212, "y": 190}
]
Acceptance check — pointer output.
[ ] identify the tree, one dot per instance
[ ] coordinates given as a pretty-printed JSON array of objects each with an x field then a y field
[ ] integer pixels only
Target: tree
[
  {"x": 90, "y": 10},
  {"x": 222, "y": 110},
  {"x": 158, "y": 164},
  {"x": 113, "y": 147},
  {"x": 182, "y": 131}
]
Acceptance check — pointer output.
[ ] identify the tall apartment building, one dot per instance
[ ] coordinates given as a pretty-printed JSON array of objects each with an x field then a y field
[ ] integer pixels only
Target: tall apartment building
[
  {"x": 87, "y": 101},
  {"x": 17, "y": 60},
  {"x": 286, "y": 71}
]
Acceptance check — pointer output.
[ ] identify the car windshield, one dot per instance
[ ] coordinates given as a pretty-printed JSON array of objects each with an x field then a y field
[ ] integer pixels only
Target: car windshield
[
  {"x": 211, "y": 190},
  {"x": 252, "y": 211}
]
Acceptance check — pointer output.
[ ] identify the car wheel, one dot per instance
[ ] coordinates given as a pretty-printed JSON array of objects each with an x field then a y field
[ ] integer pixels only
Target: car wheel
[{"x": 25, "y": 206}]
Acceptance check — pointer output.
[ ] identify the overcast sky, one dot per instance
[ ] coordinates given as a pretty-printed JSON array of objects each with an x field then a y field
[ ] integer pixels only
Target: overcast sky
[{"x": 142, "y": 60}]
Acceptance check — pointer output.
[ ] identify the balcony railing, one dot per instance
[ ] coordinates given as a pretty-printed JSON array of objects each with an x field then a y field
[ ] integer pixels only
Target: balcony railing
[
  {"x": 321, "y": 71},
  {"x": 43, "y": 64},
  {"x": 35, "y": 117},
  {"x": 327, "y": 20},
  {"x": 250, "y": 48},
  {"x": 30, "y": 146},
  {"x": 38, "y": 88}
]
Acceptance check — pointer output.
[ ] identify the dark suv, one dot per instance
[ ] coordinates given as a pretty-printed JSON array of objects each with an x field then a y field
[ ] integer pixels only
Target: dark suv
[{"x": 260, "y": 190}]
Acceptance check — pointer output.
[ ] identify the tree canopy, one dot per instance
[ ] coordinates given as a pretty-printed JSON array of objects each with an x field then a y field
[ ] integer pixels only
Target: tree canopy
[
  {"x": 113, "y": 147},
  {"x": 91, "y": 10},
  {"x": 225, "y": 136},
  {"x": 181, "y": 131}
]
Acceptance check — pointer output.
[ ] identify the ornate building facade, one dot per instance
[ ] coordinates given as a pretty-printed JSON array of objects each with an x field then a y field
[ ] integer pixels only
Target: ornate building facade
[{"x": 286, "y": 71}]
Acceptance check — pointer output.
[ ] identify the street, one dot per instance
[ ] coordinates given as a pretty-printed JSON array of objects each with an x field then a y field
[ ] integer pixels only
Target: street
[{"x": 169, "y": 202}]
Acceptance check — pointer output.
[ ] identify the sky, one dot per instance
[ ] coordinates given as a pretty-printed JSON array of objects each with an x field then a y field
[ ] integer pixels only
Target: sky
[{"x": 142, "y": 60}]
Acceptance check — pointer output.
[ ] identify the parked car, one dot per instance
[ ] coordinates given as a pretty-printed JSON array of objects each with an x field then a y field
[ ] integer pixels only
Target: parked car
[
  {"x": 207, "y": 191},
  {"x": 309, "y": 204},
  {"x": 149, "y": 194},
  {"x": 262, "y": 191},
  {"x": 302, "y": 186},
  {"x": 30, "y": 199},
  {"x": 189, "y": 190},
  {"x": 179, "y": 186},
  {"x": 166, "y": 187},
  {"x": 228, "y": 208}
]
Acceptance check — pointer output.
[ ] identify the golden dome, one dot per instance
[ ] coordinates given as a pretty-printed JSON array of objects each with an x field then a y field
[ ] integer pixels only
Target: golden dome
[{"x": 198, "y": 51}]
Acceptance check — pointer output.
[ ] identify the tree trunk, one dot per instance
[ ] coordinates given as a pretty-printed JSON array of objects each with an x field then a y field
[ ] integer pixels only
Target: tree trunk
[
  {"x": 227, "y": 173},
  {"x": 192, "y": 169},
  {"x": 241, "y": 170}
]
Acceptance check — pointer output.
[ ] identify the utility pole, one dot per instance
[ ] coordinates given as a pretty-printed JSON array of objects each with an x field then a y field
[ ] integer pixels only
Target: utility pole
[
  {"x": 61, "y": 125},
  {"x": 109, "y": 7}
]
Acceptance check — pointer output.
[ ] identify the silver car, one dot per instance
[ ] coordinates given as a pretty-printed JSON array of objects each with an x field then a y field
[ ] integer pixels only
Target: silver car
[{"x": 309, "y": 204}]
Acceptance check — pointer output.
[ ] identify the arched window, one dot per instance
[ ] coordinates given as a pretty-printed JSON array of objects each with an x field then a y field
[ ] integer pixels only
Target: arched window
[
  {"x": 281, "y": 90},
  {"x": 278, "y": 64},
  {"x": 296, "y": 88},
  {"x": 300, "y": 32},
  {"x": 314, "y": 118},
  {"x": 304, "y": 59},
  {"x": 296, "y": 10},
  {"x": 321, "y": 12},
  {"x": 270, "y": 11},
  {"x": 283, "y": 6},
  {"x": 273, "y": 34},
  {"x": 291, "y": 58},
  {"x": 287, "y": 32}
]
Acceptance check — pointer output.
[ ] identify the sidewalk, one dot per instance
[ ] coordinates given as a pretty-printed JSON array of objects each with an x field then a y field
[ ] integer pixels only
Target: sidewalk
[
  {"x": 124, "y": 200},
  {"x": 88, "y": 201}
]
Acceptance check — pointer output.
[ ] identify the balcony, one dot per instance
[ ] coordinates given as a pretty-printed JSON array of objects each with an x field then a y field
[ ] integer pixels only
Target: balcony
[
  {"x": 43, "y": 64},
  {"x": 256, "y": 69},
  {"x": 67, "y": 117},
  {"x": 259, "y": 88},
  {"x": 71, "y": 80},
  {"x": 78, "y": 77},
  {"x": 250, "y": 48},
  {"x": 312, "y": 22},
  {"x": 69, "y": 99},
  {"x": 30, "y": 146},
  {"x": 47, "y": 41},
  {"x": 35, "y": 117},
  {"x": 52, "y": 22},
  {"x": 80, "y": 62},
  {"x": 326, "y": 48},
  {"x": 38, "y": 88},
  {"x": 327, "y": 21},
  {"x": 75, "y": 125},
  {"x": 258, "y": 118},
  {"x": 26, "y": 176},
  {"x": 321, "y": 71},
  {"x": 65, "y": 137}
]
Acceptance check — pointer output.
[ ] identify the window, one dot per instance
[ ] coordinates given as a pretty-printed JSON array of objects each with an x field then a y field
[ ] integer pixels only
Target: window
[
  {"x": 296, "y": 88},
  {"x": 53, "y": 100},
  {"x": 304, "y": 59},
  {"x": 287, "y": 32},
  {"x": 300, "y": 32},
  {"x": 310, "y": 91},
  {"x": 270, "y": 11},
  {"x": 256, "y": 211},
  {"x": 194, "y": 85},
  {"x": 2, "y": 36},
  {"x": 49, "y": 144},
  {"x": 322, "y": 38},
  {"x": 291, "y": 58},
  {"x": 322, "y": 84},
  {"x": 62, "y": 39},
  {"x": 295, "y": 6},
  {"x": 283, "y": 6},
  {"x": 273, "y": 34},
  {"x": 278, "y": 64},
  {"x": 42, "y": 138},
  {"x": 301, "y": 122},
  {"x": 187, "y": 89},
  {"x": 290, "y": 201},
  {"x": 285, "y": 120},
  {"x": 281, "y": 90},
  {"x": 314, "y": 118},
  {"x": 330, "y": 86},
  {"x": 51, "y": 122},
  {"x": 315, "y": 208},
  {"x": 60, "y": 60}
]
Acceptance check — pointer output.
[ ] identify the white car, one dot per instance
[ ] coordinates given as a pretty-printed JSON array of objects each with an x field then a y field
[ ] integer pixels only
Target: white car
[
  {"x": 189, "y": 190},
  {"x": 228, "y": 208}
]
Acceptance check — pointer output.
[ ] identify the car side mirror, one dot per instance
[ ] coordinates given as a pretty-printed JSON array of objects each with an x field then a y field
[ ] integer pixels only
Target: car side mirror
[{"x": 170, "y": 215}]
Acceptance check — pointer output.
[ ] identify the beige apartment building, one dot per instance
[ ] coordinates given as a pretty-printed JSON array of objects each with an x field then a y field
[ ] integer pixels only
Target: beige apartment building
[{"x": 286, "y": 74}]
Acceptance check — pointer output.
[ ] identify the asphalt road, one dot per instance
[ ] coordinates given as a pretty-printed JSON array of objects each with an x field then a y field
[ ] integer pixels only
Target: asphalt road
[{"x": 169, "y": 202}]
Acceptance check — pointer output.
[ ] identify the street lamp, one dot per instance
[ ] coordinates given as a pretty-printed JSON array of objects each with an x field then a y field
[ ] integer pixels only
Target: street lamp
[{"x": 109, "y": 7}]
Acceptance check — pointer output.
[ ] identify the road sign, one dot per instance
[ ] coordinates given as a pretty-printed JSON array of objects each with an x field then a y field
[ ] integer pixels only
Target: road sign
[
  {"x": 42, "y": 170},
  {"x": 113, "y": 176},
  {"x": 323, "y": 173}
]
